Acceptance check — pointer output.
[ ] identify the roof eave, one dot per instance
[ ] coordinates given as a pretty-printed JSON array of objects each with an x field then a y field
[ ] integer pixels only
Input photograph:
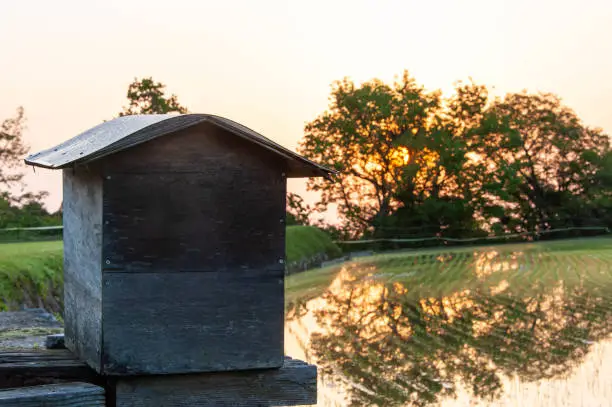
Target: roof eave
[
  {"x": 40, "y": 164},
  {"x": 305, "y": 167}
]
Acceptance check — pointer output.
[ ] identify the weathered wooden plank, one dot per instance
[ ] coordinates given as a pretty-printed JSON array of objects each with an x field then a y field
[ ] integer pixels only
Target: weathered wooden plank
[
  {"x": 193, "y": 202},
  {"x": 164, "y": 323},
  {"x": 150, "y": 226},
  {"x": 35, "y": 367},
  {"x": 54, "y": 395},
  {"x": 293, "y": 384},
  {"x": 82, "y": 217},
  {"x": 184, "y": 150}
]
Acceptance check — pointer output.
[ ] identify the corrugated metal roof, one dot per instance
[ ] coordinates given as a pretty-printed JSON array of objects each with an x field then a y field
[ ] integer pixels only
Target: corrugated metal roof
[{"x": 128, "y": 131}]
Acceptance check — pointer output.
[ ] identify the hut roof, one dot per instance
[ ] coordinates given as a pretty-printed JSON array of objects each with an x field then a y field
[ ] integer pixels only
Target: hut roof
[{"x": 129, "y": 131}]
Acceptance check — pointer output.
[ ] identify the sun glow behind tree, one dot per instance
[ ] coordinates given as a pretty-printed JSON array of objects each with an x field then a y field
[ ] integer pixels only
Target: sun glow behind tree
[{"x": 463, "y": 165}]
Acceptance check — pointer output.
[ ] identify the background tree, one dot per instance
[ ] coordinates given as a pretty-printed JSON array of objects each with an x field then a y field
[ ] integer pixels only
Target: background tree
[
  {"x": 403, "y": 157},
  {"x": 415, "y": 164},
  {"x": 297, "y": 210},
  {"x": 12, "y": 152},
  {"x": 441, "y": 197},
  {"x": 149, "y": 97},
  {"x": 599, "y": 206},
  {"x": 541, "y": 164},
  {"x": 372, "y": 135},
  {"x": 18, "y": 208}
]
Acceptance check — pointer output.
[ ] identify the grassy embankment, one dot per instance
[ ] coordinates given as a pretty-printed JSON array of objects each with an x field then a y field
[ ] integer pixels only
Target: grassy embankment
[
  {"x": 445, "y": 270},
  {"x": 307, "y": 247},
  {"x": 31, "y": 273}
]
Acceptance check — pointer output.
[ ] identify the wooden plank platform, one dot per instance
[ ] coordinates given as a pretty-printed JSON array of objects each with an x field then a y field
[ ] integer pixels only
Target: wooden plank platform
[
  {"x": 54, "y": 395},
  {"x": 37, "y": 367},
  {"x": 24, "y": 368},
  {"x": 293, "y": 384}
]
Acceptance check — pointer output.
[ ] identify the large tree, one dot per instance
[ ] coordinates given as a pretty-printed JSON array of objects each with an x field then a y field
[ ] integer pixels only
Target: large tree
[
  {"x": 441, "y": 197},
  {"x": 401, "y": 153},
  {"x": 12, "y": 151},
  {"x": 17, "y": 206},
  {"x": 372, "y": 134},
  {"x": 541, "y": 163},
  {"x": 412, "y": 162},
  {"x": 146, "y": 96}
]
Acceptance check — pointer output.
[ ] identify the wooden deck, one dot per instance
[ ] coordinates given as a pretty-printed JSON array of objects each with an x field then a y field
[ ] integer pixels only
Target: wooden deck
[{"x": 295, "y": 383}]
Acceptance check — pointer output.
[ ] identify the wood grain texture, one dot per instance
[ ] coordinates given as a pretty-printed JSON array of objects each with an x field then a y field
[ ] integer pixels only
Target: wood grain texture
[
  {"x": 54, "y": 395},
  {"x": 164, "y": 323},
  {"x": 82, "y": 219},
  {"x": 293, "y": 384},
  {"x": 36, "y": 367},
  {"x": 193, "y": 201}
]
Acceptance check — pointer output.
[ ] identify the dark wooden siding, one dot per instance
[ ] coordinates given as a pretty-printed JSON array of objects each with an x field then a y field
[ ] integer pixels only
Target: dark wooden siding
[
  {"x": 82, "y": 218},
  {"x": 192, "y": 322},
  {"x": 198, "y": 200},
  {"x": 204, "y": 146}
]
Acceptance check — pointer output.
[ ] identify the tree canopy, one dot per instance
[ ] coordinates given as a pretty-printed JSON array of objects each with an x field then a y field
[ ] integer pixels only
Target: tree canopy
[
  {"x": 12, "y": 150},
  {"x": 541, "y": 163},
  {"x": 146, "y": 96},
  {"x": 18, "y": 207},
  {"x": 372, "y": 135},
  {"x": 414, "y": 162}
]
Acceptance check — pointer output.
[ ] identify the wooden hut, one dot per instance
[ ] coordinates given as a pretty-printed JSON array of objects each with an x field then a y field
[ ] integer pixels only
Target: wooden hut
[{"x": 174, "y": 244}]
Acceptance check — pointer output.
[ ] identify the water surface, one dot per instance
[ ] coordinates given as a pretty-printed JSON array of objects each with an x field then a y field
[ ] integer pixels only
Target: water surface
[{"x": 527, "y": 325}]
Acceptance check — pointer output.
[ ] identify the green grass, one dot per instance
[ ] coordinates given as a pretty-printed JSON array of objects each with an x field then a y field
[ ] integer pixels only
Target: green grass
[
  {"x": 36, "y": 266},
  {"x": 31, "y": 274},
  {"x": 35, "y": 249},
  {"x": 440, "y": 271},
  {"x": 307, "y": 244}
]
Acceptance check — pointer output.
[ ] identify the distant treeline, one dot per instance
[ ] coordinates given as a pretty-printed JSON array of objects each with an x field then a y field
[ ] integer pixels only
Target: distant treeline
[
  {"x": 28, "y": 212},
  {"x": 415, "y": 168}
]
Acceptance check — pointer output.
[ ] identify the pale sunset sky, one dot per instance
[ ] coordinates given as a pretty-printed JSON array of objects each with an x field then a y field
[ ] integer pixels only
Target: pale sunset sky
[{"x": 269, "y": 64}]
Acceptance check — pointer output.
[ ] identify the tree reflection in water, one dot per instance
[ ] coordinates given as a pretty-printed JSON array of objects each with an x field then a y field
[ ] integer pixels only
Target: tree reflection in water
[{"x": 407, "y": 343}]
